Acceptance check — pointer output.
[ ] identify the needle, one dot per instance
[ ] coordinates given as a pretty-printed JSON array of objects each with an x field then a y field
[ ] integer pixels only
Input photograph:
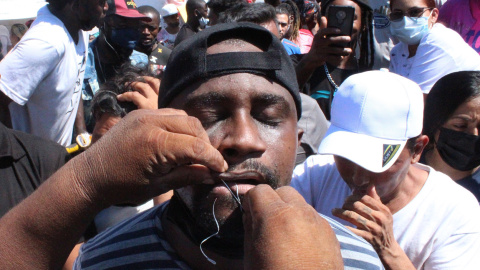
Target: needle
[{"x": 236, "y": 197}]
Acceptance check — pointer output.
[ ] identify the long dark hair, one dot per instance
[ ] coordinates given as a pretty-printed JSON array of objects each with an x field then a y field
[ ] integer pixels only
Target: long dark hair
[
  {"x": 446, "y": 96},
  {"x": 292, "y": 9}
]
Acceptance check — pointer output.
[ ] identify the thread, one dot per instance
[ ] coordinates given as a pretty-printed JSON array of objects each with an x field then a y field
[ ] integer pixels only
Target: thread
[
  {"x": 206, "y": 239},
  {"x": 236, "y": 197}
]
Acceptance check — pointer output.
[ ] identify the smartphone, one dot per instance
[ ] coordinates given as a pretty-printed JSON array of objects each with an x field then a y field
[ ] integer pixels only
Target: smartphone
[{"x": 341, "y": 17}]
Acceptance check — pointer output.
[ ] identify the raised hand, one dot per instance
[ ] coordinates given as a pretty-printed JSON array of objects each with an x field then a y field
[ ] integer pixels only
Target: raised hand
[
  {"x": 374, "y": 223},
  {"x": 283, "y": 232},
  {"x": 145, "y": 95},
  {"x": 148, "y": 153}
]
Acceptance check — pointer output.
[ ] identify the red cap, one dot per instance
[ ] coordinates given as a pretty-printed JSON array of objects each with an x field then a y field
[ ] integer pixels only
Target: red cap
[{"x": 125, "y": 8}]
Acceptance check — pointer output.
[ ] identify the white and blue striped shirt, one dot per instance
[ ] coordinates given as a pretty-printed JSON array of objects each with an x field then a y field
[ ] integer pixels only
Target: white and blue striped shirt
[{"x": 140, "y": 243}]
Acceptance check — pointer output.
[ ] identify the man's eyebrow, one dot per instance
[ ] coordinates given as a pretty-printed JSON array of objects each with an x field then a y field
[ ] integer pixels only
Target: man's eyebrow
[
  {"x": 214, "y": 98},
  {"x": 271, "y": 99},
  {"x": 206, "y": 100}
]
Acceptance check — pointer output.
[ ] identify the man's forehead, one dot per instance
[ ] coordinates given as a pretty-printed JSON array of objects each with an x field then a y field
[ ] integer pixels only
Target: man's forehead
[
  {"x": 152, "y": 15},
  {"x": 154, "y": 22}
]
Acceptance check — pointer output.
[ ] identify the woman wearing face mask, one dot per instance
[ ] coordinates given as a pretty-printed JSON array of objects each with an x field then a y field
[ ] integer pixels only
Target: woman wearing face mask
[
  {"x": 452, "y": 123},
  {"x": 427, "y": 51}
]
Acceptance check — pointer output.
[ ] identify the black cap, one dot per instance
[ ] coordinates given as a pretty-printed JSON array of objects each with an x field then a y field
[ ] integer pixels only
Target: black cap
[{"x": 190, "y": 63}]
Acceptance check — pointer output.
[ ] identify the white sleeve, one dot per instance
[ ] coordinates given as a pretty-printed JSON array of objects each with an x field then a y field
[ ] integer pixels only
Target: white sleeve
[
  {"x": 301, "y": 182},
  {"x": 431, "y": 63},
  {"x": 24, "y": 68}
]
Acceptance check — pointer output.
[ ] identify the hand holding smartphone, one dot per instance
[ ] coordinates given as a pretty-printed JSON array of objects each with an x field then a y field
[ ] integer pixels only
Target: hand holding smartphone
[{"x": 341, "y": 17}]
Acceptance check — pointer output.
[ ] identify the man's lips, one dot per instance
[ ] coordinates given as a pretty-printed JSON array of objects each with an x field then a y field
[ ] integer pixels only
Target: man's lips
[
  {"x": 241, "y": 175},
  {"x": 146, "y": 40},
  {"x": 238, "y": 181}
]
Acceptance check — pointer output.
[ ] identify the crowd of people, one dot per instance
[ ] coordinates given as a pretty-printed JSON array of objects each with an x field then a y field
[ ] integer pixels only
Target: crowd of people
[{"x": 233, "y": 134}]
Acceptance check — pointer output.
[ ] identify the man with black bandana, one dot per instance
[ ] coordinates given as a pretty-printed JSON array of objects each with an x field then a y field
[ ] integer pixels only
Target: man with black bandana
[{"x": 224, "y": 161}]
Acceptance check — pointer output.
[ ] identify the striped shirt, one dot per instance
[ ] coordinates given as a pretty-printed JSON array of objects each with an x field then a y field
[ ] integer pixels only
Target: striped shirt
[{"x": 140, "y": 243}]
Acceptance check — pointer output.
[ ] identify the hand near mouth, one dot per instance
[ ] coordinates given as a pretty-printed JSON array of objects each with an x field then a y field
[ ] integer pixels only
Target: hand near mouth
[
  {"x": 281, "y": 230},
  {"x": 147, "y": 153},
  {"x": 374, "y": 222}
]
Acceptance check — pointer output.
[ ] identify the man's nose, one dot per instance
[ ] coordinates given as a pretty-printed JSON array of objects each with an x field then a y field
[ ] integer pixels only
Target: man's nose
[{"x": 242, "y": 138}]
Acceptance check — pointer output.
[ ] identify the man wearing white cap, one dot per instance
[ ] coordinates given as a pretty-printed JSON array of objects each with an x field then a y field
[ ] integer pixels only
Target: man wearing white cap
[
  {"x": 170, "y": 25},
  {"x": 415, "y": 217}
]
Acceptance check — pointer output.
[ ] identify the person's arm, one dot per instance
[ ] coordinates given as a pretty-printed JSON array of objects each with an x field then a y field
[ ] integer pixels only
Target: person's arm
[
  {"x": 324, "y": 48},
  {"x": 72, "y": 257},
  {"x": 80, "y": 126},
  {"x": 4, "y": 110},
  {"x": 374, "y": 223},
  {"x": 282, "y": 230},
  {"x": 40, "y": 232}
]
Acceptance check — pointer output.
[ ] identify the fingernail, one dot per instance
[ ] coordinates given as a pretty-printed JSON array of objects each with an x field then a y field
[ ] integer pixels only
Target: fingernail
[{"x": 225, "y": 165}]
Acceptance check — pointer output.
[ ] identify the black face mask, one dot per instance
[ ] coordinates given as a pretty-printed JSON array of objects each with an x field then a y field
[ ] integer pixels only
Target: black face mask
[{"x": 458, "y": 149}]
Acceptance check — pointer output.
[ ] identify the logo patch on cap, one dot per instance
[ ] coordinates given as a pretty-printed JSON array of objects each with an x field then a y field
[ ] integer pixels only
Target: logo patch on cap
[
  {"x": 389, "y": 150},
  {"x": 131, "y": 4}
]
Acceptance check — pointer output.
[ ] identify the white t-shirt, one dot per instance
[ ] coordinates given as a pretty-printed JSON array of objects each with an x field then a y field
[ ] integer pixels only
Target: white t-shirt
[
  {"x": 441, "y": 51},
  {"x": 166, "y": 38},
  {"x": 42, "y": 75},
  {"x": 438, "y": 229}
]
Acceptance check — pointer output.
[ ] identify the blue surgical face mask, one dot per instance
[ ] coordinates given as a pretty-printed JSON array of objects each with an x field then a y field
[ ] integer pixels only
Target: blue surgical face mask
[
  {"x": 203, "y": 22},
  {"x": 410, "y": 30},
  {"x": 125, "y": 37}
]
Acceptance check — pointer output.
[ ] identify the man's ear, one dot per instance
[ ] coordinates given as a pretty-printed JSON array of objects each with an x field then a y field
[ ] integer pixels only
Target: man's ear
[
  {"x": 434, "y": 16},
  {"x": 300, "y": 135},
  {"x": 420, "y": 144}
]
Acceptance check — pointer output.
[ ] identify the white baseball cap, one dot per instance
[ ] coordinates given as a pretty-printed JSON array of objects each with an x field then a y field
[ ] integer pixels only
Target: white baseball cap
[
  {"x": 373, "y": 115},
  {"x": 168, "y": 9}
]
